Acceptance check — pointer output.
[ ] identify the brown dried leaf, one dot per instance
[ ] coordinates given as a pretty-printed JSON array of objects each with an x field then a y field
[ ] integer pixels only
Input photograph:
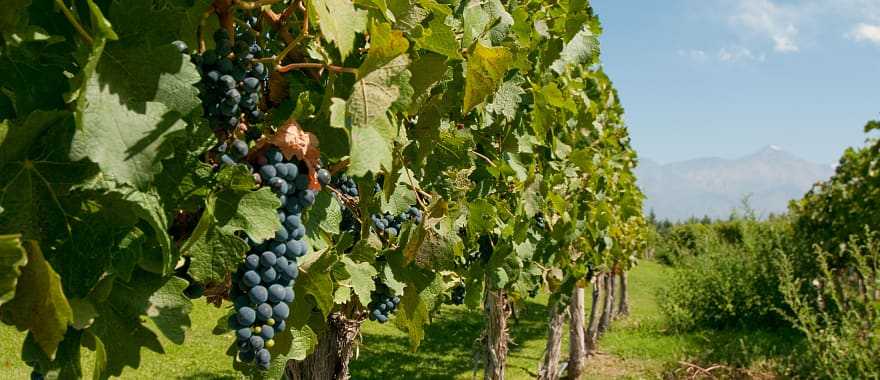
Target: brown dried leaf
[{"x": 293, "y": 141}]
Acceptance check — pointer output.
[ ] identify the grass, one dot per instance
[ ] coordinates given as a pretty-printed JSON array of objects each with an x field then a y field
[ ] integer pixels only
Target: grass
[{"x": 635, "y": 347}]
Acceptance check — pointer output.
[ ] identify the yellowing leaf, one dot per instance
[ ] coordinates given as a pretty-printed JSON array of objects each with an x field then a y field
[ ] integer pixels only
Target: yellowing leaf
[
  {"x": 485, "y": 69},
  {"x": 39, "y": 304}
]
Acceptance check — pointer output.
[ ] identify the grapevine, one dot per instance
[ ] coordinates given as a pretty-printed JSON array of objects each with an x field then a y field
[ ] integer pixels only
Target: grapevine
[{"x": 478, "y": 147}]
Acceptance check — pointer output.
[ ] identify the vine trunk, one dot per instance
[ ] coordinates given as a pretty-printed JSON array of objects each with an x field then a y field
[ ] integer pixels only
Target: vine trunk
[
  {"x": 549, "y": 367},
  {"x": 608, "y": 304},
  {"x": 623, "y": 306},
  {"x": 496, "y": 334},
  {"x": 577, "y": 349},
  {"x": 332, "y": 354},
  {"x": 592, "y": 334}
]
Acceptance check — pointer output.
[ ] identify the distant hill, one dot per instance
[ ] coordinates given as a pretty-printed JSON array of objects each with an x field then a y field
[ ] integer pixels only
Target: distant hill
[{"x": 715, "y": 186}]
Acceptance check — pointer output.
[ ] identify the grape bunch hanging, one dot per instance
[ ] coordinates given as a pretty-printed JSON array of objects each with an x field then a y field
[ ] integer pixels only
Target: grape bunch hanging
[
  {"x": 457, "y": 296},
  {"x": 540, "y": 222},
  {"x": 232, "y": 81},
  {"x": 263, "y": 284},
  {"x": 383, "y": 302},
  {"x": 391, "y": 224}
]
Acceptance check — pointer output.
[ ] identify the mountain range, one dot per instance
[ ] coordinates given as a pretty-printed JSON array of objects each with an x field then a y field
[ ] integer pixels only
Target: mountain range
[{"x": 714, "y": 187}]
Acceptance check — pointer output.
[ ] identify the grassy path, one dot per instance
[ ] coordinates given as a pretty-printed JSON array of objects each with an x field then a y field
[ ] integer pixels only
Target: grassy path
[{"x": 636, "y": 347}]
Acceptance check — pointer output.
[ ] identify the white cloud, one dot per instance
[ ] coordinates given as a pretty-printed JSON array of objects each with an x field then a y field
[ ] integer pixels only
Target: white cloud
[
  {"x": 865, "y": 32},
  {"x": 694, "y": 54},
  {"x": 739, "y": 54},
  {"x": 776, "y": 22}
]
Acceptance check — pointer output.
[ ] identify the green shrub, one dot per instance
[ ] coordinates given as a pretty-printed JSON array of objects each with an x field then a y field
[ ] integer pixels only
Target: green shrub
[
  {"x": 838, "y": 312},
  {"x": 687, "y": 240},
  {"x": 725, "y": 288}
]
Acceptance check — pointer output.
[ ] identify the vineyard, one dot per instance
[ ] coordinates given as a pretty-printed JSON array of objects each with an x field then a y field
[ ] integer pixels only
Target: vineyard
[{"x": 315, "y": 177}]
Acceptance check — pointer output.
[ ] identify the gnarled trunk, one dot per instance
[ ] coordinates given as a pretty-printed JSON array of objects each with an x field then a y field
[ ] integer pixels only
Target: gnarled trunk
[
  {"x": 332, "y": 354},
  {"x": 592, "y": 335},
  {"x": 623, "y": 306},
  {"x": 577, "y": 352},
  {"x": 608, "y": 305},
  {"x": 549, "y": 367},
  {"x": 495, "y": 336}
]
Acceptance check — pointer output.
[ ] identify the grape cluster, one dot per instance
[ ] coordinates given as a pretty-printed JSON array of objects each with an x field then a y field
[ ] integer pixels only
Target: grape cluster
[
  {"x": 350, "y": 223},
  {"x": 391, "y": 224},
  {"x": 457, "y": 297},
  {"x": 383, "y": 302},
  {"x": 539, "y": 221},
  {"x": 346, "y": 185},
  {"x": 231, "y": 81},
  {"x": 483, "y": 253},
  {"x": 263, "y": 284},
  {"x": 231, "y": 157}
]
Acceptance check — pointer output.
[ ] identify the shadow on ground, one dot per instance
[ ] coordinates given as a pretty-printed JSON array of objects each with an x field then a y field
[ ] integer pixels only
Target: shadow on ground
[{"x": 449, "y": 347}]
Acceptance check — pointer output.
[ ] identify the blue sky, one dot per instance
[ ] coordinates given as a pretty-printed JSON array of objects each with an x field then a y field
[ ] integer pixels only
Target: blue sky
[{"x": 725, "y": 78}]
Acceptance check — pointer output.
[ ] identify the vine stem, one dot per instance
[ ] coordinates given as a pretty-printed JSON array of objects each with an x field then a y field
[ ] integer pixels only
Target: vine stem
[
  {"x": 413, "y": 184},
  {"x": 304, "y": 31},
  {"x": 300, "y": 66},
  {"x": 254, "y": 4},
  {"x": 483, "y": 157},
  {"x": 201, "y": 29},
  {"x": 73, "y": 21}
]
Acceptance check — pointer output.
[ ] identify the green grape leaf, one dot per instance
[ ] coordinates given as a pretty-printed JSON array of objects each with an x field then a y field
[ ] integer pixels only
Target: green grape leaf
[
  {"x": 36, "y": 179},
  {"x": 325, "y": 215},
  {"x": 361, "y": 278},
  {"x": 485, "y": 69},
  {"x": 65, "y": 364},
  {"x": 393, "y": 284},
  {"x": 151, "y": 24},
  {"x": 507, "y": 99},
  {"x": 408, "y": 15},
  {"x": 319, "y": 285},
  {"x": 120, "y": 327},
  {"x": 473, "y": 296},
  {"x": 93, "y": 245},
  {"x": 213, "y": 251},
  {"x": 433, "y": 243},
  {"x": 12, "y": 258},
  {"x": 339, "y": 22},
  {"x": 533, "y": 199},
  {"x": 427, "y": 71},
  {"x": 123, "y": 128},
  {"x": 385, "y": 45},
  {"x": 253, "y": 212},
  {"x": 583, "y": 48},
  {"x": 11, "y": 13},
  {"x": 185, "y": 180},
  {"x": 39, "y": 304},
  {"x": 372, "y": 134},
  {"x": 439, "y": 38},
  {"x": 148, "y": 207},
  {"x": 403, "y": 195},
  {"x": 475, "y": 20},
  {"x": 304, "y": 341},
  {"x": 33, "y": 76},
  {"x": 84, "y": 313},
  {"x": 482, "y": 216},
  {"x": 95, "y": 344},
  {"x": 413, "y": 313}
]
